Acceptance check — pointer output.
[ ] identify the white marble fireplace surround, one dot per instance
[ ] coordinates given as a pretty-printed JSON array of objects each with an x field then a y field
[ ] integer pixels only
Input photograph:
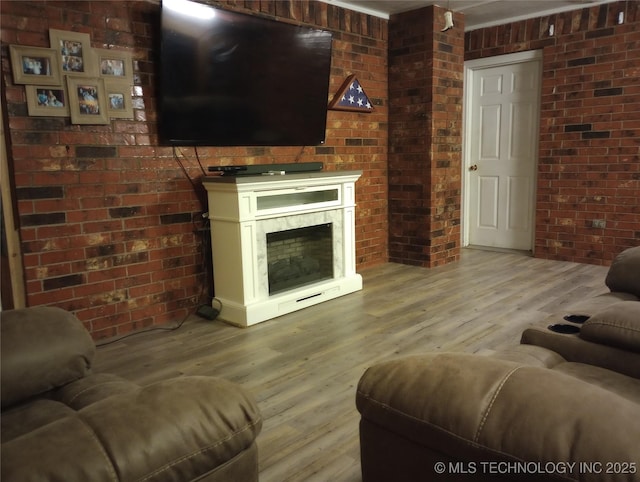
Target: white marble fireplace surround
[{"x": 244, "y": 209}]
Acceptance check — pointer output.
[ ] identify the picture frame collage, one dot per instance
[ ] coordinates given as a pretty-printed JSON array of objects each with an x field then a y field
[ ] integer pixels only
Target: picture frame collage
[{"x": 72, "y": 79}]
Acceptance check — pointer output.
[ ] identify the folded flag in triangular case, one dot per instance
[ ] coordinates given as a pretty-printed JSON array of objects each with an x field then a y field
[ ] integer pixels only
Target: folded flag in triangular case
[{"x": 351, "y": 96}]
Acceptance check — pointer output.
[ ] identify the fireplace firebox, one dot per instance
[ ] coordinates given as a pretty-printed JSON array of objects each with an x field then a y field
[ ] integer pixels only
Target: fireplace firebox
[
  {"x": 281, "y": 243},
  {"x": 298, "y": 257}
]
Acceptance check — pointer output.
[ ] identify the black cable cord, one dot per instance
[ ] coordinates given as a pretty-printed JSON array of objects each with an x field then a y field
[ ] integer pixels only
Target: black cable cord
[
  {"x": 148, "y": 330},
  {"x": 184, "y": 169},
  {"x": 197, "y": 187},
  {"x": 207, "y": 263},
  {"x": 201, "y": 225},
  {"x": 159, "y": 328},
  {"x": 190, "y": 313},
  {"x": 297, "y": 159},
  {"x": 204, "y": 173}
]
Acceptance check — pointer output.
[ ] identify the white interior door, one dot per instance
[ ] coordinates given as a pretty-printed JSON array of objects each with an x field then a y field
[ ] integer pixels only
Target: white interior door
[{"x": 502, "y": 100}]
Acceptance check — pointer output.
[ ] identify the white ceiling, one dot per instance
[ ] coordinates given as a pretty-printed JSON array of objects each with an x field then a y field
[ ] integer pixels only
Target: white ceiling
[{"x": 477, "y": 13}]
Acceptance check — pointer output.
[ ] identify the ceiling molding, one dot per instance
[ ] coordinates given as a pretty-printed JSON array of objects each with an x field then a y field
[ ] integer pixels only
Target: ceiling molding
[
  {"x": 500, "y": 11},
  {"x": 358, "y": 8}
]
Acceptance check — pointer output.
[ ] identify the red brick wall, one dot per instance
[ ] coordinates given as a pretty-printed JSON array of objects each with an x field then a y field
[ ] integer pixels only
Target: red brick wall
[
  {"x": 426, "y": 70},
  {"x": 108, "y": 218},
  {"x": 589, "y": 162}
]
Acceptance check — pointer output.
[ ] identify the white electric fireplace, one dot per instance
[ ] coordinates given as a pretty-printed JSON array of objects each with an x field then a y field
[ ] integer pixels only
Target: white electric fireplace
[{"x": 281, "y": 242}]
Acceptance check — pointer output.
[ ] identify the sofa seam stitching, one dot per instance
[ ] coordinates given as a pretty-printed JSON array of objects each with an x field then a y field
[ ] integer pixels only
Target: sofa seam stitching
[
  {"x": 491, "y": 403},
  {"x": 93, "y": 387},
  {"x": 425, "y": 422},
  {"x": 91, "y": 432},
  {"x": 201, "y": 450},
  {"x": 615, "y": 325}
]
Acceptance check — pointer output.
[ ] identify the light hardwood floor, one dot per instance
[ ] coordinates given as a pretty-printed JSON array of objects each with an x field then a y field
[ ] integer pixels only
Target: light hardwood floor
[{"x": 303, "y": 368}]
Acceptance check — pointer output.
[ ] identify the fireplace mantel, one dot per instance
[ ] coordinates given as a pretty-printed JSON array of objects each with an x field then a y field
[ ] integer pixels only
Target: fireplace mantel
[{"x": 245, "y": 210}]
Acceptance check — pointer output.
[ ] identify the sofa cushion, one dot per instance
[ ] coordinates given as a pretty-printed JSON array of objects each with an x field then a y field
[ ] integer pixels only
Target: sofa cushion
[
  {"x": 588, "y": 306},
  {"x": 27, "y": 417},
  {"x": 617, "y": 325},
  {"x": 63, "y": 450},
  {"x": 575, "y": 348},
  {"x": 176, "y": 429},
  {"x": 614, "y": 382},
  {"x": 173, "y": 429},
  {"x": 482, "y": 408},
  {"x": 91, "y": 389},
  {"x": 624, "y": 273},
  {"x": 42, "y": 348},
  {"x": 531, "y": 355}
]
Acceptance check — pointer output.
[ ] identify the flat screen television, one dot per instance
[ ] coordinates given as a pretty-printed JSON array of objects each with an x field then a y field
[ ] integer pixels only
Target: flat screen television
[{"x": 234, "y": 79}]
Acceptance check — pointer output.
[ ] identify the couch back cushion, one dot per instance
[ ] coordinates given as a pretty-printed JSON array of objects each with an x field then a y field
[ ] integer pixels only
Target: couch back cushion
[
  {"x": 624, "y": 273},
  {"x": 42, "y": 348}
]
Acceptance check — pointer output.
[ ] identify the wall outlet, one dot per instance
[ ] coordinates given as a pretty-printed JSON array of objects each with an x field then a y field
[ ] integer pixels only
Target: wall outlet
[{"x": 599, "y": 223}]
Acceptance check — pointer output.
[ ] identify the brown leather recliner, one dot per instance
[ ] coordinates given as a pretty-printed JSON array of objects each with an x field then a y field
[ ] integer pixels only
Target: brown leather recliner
[
  {"x": 60, "y": 422},
  {"x": 556, "y": 407}
]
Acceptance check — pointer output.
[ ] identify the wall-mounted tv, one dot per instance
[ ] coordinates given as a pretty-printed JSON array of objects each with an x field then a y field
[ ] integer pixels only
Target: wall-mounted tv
[{"x": 234, "y": 79}]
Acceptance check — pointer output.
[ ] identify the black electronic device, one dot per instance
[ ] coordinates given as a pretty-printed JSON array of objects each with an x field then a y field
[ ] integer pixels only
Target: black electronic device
[
  {"x": 259, "y": 169},
  {"x": 227, "y": 169},
  {"x": 234, "y": 79},
  {"x": 208, "y": 312}
]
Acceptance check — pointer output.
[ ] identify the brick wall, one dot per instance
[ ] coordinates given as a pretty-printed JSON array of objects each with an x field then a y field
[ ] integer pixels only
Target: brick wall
[
  {"x": 109, "y": 220},
  {"x": 426, "y": 69},
  {"x": 589, "y": 161}
]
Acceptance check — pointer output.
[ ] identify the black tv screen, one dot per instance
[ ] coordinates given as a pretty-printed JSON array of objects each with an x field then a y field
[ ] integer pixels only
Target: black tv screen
[{"x": 233, "y": 79}]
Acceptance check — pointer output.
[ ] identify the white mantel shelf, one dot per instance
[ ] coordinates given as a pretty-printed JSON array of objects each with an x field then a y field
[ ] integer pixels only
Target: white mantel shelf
[
  {"x": 294, "y": 177},
  {"x": 244, "y": 209}
]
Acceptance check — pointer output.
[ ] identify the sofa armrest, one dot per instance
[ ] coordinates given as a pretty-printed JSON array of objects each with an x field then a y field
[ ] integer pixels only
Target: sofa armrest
[
  {"x": 178, "y": 429},
  {"x": 42, "y": 348},
  {"x": 474, "y": 408}
]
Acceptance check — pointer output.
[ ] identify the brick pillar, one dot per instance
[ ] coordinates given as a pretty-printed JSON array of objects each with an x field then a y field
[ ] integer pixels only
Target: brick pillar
[{"x": 426, "y": 68}]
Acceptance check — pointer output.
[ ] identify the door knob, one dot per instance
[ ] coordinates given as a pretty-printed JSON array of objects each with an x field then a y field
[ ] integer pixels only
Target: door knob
[{"x": 474, "y": 167}]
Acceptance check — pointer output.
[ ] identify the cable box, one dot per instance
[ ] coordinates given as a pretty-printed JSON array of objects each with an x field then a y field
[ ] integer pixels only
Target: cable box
[{"x": 259, "y": 169}]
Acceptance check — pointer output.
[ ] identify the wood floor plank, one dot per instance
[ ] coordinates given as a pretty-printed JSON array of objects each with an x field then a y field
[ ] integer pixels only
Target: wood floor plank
[{"x": 303, "y": 368}]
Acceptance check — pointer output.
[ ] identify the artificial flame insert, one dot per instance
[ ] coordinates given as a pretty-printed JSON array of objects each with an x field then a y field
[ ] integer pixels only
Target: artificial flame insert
[{"x": 298, "y": 257}]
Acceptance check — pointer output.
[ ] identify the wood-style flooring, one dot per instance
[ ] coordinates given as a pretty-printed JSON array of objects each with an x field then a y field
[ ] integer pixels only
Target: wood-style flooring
[{"x": 303, "y": 367}]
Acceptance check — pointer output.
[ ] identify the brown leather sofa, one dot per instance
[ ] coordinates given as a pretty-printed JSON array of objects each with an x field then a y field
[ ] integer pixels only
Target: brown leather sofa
[
  {"x": 60, "y": 422},
  {"x": 559, "y": 406}
]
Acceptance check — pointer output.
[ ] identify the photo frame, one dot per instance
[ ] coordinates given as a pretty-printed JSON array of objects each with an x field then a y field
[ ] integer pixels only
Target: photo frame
[
  {"x": 87, "y": 100},
  {"x": 47, "y": 100},
  {"x": 35, "y": 65},
  {"x": 75, "y": 53},
  {"x": 114, "y": 64},
  {"x": 118, "y": 97}
]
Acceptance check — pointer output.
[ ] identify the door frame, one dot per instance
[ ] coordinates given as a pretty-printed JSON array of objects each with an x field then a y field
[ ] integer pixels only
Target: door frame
[{"x": 470, "y": 68}]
